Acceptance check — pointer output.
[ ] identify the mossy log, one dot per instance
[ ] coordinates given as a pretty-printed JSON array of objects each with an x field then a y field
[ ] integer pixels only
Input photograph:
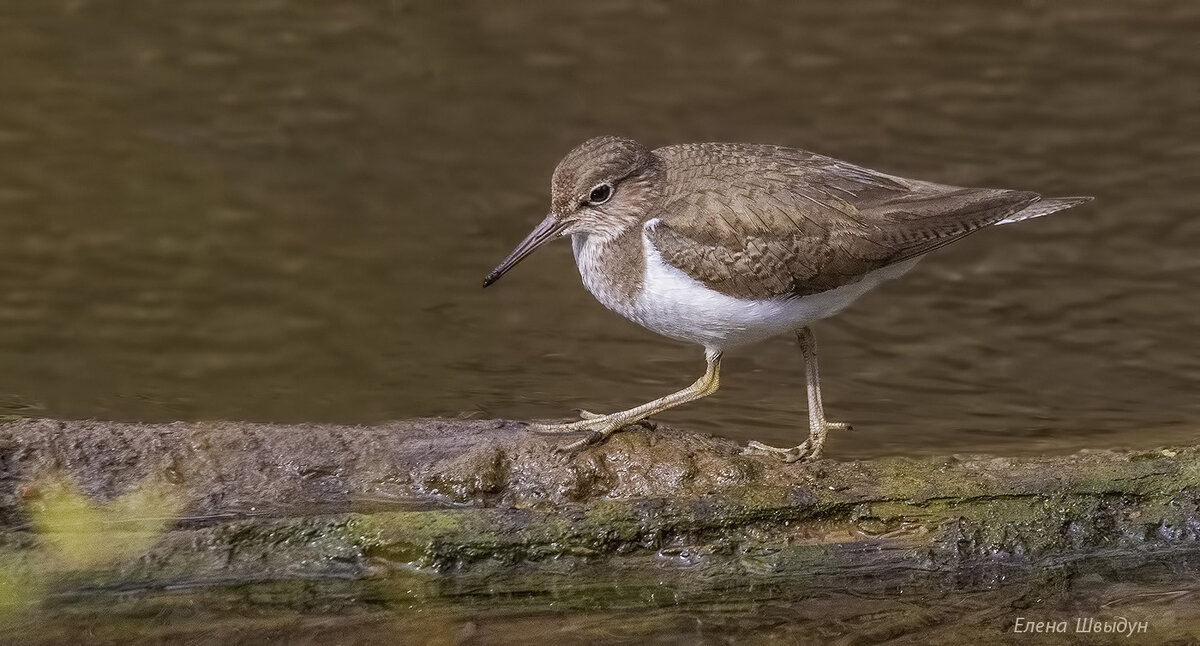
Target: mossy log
[{"x": 240, "y": 501}]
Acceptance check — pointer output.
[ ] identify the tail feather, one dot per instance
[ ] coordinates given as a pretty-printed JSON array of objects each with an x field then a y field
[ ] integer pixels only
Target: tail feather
[{"x": 1044, "y": 206}]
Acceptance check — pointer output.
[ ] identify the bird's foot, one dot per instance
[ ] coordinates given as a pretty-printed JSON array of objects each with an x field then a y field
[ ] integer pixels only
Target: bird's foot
[
  {"x": 794, "y": 454},
  {"x": 587, "y": 414},
  {"x": 806, "y": 450},
  {"x": 599, "y": 426}
]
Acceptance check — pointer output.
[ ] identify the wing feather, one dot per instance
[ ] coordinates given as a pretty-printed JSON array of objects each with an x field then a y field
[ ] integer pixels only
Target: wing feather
[{"x": 769, "y": 222}]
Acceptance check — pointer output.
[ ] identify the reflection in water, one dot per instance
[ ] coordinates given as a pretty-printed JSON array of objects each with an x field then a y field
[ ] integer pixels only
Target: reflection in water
[{"x": 648, "y": 606}]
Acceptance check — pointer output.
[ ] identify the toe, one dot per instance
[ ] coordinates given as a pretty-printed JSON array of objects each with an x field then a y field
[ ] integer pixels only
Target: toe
[
  {"x": 571, "y": 427},
  {"x": 794, "y": 454},
  {"x": 591, "y": 438}
]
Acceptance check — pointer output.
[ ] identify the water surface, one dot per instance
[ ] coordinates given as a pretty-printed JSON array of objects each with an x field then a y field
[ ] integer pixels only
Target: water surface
[
  {"x": 281, "y": 211},
  {"x": 273, "y": 210}
]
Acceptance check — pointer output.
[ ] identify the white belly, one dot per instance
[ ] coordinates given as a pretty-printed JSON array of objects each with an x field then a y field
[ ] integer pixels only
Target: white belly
[{"x": 678, "y": 306}]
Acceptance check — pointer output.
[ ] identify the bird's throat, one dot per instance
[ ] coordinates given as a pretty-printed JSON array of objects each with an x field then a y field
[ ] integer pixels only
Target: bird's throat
[{"x": 612, "y": 269}]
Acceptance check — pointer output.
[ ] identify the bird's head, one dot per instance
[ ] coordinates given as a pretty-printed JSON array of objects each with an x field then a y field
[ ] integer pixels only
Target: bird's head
[{"x": 601, "y": 188}]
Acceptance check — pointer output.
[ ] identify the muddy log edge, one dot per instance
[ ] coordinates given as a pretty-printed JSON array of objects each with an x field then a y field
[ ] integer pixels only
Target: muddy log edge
[{"x": 264, "y": 501}]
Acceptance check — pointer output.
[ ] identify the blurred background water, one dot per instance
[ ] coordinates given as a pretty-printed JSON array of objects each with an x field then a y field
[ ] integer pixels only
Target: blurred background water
[
  {"x": 282, "y": 211},
  {"x": 276, "y": 210}
]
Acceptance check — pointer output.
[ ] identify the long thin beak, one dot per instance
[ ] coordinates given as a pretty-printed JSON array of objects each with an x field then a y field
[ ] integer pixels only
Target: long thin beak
[{"x": 544, "y": 232}]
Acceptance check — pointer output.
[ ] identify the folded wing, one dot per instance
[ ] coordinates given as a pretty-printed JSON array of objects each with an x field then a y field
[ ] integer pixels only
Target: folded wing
[{"x": 767, "y": 222}]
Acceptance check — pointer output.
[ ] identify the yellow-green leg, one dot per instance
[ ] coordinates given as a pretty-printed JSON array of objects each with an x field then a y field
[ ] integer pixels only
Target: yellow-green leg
[
  {"x": 602, "y": 426},
  {"x": 818, "y": 426}
]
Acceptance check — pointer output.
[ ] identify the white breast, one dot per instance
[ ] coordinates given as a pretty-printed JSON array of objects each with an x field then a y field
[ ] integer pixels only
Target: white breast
[{"x": 678, "y": 306}]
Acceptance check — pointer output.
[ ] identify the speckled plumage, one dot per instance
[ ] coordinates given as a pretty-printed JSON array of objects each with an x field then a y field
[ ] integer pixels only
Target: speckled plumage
[
  {"x": 757, "y": 222},
  {"x": 728, "y": 244},
  {"x": 770, "y": 222}
]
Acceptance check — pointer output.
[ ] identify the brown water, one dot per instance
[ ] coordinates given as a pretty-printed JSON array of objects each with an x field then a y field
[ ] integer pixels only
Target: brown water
[
  {"x": 282, "y": 211},
  {"x": 273, "y": 210},
  {"x": 662, "y": 605}
]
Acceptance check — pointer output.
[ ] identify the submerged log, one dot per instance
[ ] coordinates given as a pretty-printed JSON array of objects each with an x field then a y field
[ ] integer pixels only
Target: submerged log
[{"x": 255, "y": 501}]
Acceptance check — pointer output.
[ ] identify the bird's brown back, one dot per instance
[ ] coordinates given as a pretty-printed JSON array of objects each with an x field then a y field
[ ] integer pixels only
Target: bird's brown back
[{"x": 761, "y": 222}]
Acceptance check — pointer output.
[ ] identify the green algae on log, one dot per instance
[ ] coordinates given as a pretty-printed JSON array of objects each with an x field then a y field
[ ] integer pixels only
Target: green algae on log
[{"x": 269, "y": 502}]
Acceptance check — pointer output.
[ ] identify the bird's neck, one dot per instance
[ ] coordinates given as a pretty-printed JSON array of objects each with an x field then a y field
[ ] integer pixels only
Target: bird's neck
[{"x": 612, "y": 268}]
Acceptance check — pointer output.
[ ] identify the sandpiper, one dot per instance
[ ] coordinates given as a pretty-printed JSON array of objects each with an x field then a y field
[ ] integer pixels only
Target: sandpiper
[{"x": 725, "y": 245}]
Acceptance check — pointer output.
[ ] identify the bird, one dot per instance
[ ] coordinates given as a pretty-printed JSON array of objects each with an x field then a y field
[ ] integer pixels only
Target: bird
[{"x": 727, "y": 244}]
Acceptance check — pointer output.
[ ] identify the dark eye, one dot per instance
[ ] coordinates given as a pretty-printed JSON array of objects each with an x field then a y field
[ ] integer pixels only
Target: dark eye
[{"x": 600, "y": 194}]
